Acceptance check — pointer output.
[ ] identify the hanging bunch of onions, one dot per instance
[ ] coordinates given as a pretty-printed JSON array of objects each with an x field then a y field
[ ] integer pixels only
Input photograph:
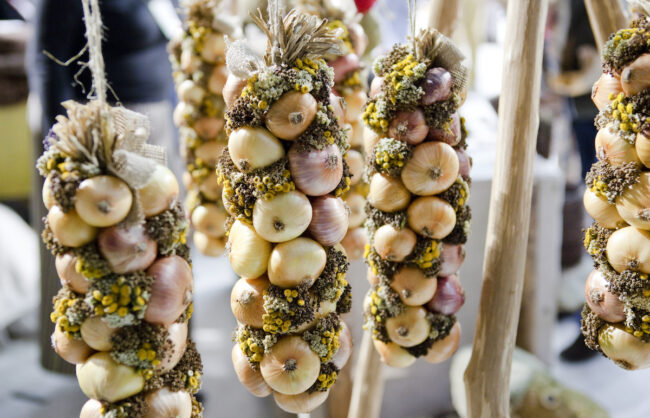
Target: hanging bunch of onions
[
  {"x": 283, "y": 173},
  {"x": 200, "y": 73},
  {"x": 616, "y": 317},
  {"x": 418, "y": 218},
  {"x": 118, "y": 231}
]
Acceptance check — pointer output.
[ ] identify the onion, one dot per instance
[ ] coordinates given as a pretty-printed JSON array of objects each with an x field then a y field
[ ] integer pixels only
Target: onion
[
  {"x": 217, "y": 79},
  {"x": 208, "y": 127},
  {"x": 412, "y": 286},
  {"x": 171, "y": 291},
  {"x": 127, "y": 248},
  {"x": 160, "y": 191},
  {"x": 431, "y": 217},
  {"x": 409, "y": 328},
  {"x": 282, "y": 218},
  {"x": 614, "y": 149},
  {"x": 355, "y": 242},
  {"x": 210, "y": 246},
  {"x": 376, "y": 85},
  {"x": 629, "y": 248},
  {"x": 604, "y": 303},
  {"x": 209, "y": 219},
  {"x": 601, "y": 210},
  {"x": 296, "y": 262},
  {"x": 72, "y": 350},
  {"x": 232, "y": 90},
  {"x": 175, "y": 344},
  {"x": 627, "y": 351},
  {"x": 291, "y": 114},
  {"x": 451, "y": 258},
  {"x": 443, "y": 349},
  {"x": 316, "y": 172},
  {"x": 103, "y": 200},
  {"x": 302, "y": 403},
  {"x": 91, "y": 409},
  {"x": 464, "y": 164},
  {"x": 356, "y": 165},
  {"x": 356, "y": 204},
  {"x": 448, "y": 133},
  {"x": 66, "y": 268},
  {"x": 189, "y": 91},
  {"x": 253, "y": 148},
  {"x": 290, "y": 367},
  {"x": 69, "y": 229},
  {"x": 248, "y": 252},
  {"x": 344, "y": 352},
  {"x": 634, "y": 203},
  {"x": 101, "y": 378},
  {"x": 432, "y": 169},
  {"x": 97, "y": 334},
  {"x": 436, "y": 84},
  {"x": 164, "y": 403},
  {"x": 449, "y": 296},
  {"x": 635, "y": 77},
  {"x": 642, "y": 147},
  {"x": 344, "y": 65},
  {"x": 247, "y": 301},
  {"x": 410, "y": 127},
  {"x": 393, "y": 355},
  {"x": 606, "y": 85},
  {"x": 329, "y": 222},
  {"x": 393, "y": 244},
  {"x": 251, "y": 379},
  {"x": 388, "y": 194}
]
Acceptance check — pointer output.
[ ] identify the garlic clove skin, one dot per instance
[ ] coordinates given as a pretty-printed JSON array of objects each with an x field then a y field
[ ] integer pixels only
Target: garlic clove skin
[
  {"x": 66, "y": 268},
  {"x": 316, "y": 172},
  {"x": 393, "y": 355},
  {"x": 607, "y": 84},
  {"x": 329, "y": 222},
  {"x": 600, "y": 300},
  {"x": 355, "y": 242},
  {"x": 431, "y": 217},
  {"x": 412, "y": 286},
  {"x": 251, "y": 379},
  {"x": 635, "y": 77},
  {"x": 433, "y": 167},
  {"x": 356, "y": 204},
  {"x": 354, "y": 104},
  {"x": 252, "y": 148},
  {"x": 290, "y": 367},
  {"x": 97, "y": 334},
  {"x": 210, "y": 152},
  {"x": 443, "y": 349},
  {"x": 210, "y": 187},
  {"x": 302, "y": 403},
  {"x": 291, "y": 114},
  {"x": 633, "y": 204},
  {"x": 190, "y": 92},
  {"x": 409, "y": 328},
  {"x": 69, "y": 229},
  {"x": 388, "y": 194},
  {"x": 217, "y": 79},
  {"x": 464, "y": 164},
  {"x": 48, "y": 198},
  {"x": 248, "y": 252},
  {"x": 102, "y": 378},
  {"x": 375, "y": 86},
  {"x": 436, "y": 85},
  {"x": 91, "y": 409},
  {"x": 410, "y": 127},
  {"x": 159, "y": 193},
  {"x": 214, "y": 46},
  {"x": 338, "y": 107},
  {"x": 171, "y": 291},
  {"x": 370, "y": 139},
  {"x": 343, "y": 354},
  {"x": 247, "y": 301},
  {"x": 394, "y": 244},
  {"x": 177, "y": 341},
  {"x": 103, "y": 200},
  {"x": 601, "y": 210},
  {"x": 282, "y": 218},
  {"x": 72, "y": 350},
  {"x": 627, "y": 351},
  {"x": 356, "y": 165},
  {"x": 127, "y": 248},
  {"x": 629, "y": 248},
  {"x": 164, "y": 403},
  {"x": 209, "y": 219},
  {"x": 296, "y": 262},
  {"x": 232, "y": 89},
  {"x": 449, "y": 133},
  {"x": 451, "y": 258},
  {"x": 208, "y": 127},
  {"x": 449, "y": 296},
  {"x": 343, "y": 65},
  {"x": 642, "y": 147},
  {"x": 613, "y": 149},
  {"x": 210, "y": 246}
]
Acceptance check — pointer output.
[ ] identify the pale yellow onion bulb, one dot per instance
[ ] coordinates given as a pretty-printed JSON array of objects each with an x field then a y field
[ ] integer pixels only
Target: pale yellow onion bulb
[
  {"x": 394, "y": 244},
  {"x": 176, "y": 343},
  {"x": 355, "y": 134},
  {"x": 343, "y": 354},
  {"x": 634, "y": 203},
  {"x": 91, "y": 409},
  {"x": 601, "y": 301},
  {"x": 356, "y": 203},
  {"x": 189, "y": 91},
  {"x": 355, "y": 242},
  {"x": 356, "y": 165},
  {"x": 431, "y": 216},
  {"x": 72, "y": 350},
  {"x": 612, "y": 148},
  {"x": 247, "y": 300},
  {"x": 217, "y": 79},
  {"x": 290, "y": 115},
  {"x": 48, "y": 198},
  {"x": 232, "y": 89},
  {"x": 388, "y": 194},
  {"x": 629, "y": 248},
  {"x": 635, "y": 77},
  {"x": 189, "y": 61},
  {"x": 409, "y": 328},
  {"x": 208, "y": 127},
  {"x": 102, "y": 378},
  {"x": 97, "y": 333},
  {"x": 158, "y": 194},
  {"x": 431, "y": 170},
  {"x": 252, "y": 148},
  {"x": 412, "y": 286},
  {"x": 187, "y": 180},
  {"x": 171, "y": 291},
  {"x": 248, "y": 252},
  {"x": 210, "y": 187},
  {"x": 209, "y": 219},
  {"x": 354, "y": 104},
  {"x": 209, "y": 152},
  {"x": 103, "y": 200},
  {"x": 296, "y": 262},
  {"x": 601, "y": 210},
  {"x": 164, "y": 403},
  {"x": 214, "y": 46},
  {"x": 642, "y": 147},
  {"x": 66, "y": 269},
  {"x": 607, "y": 84},
  {"x": 443, "y": 349},
  {"x": 627, "y": 351},
  {"x": 372, "y": 278},
  {"x": 290, "y": 367},
  {"x": 69, "y": 229},
  {"x": 282, "y": 218},
  {"x": 182, "y": 112},
  {"x": 393, "y": 355},
  {"x": 251, "y": 379},
  {"x": 370, "y": 138},
  {"x": 302, "y": 403},
  {"x": 210, "y": 246}
]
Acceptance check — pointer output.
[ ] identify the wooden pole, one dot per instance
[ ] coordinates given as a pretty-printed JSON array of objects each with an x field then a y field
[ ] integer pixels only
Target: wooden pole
[
  {"x": 606, "y": 17},
  {"x": 368, "y": 388},
  {"x": 487, "y": 377},
  {"x": 444, "y": 16}
]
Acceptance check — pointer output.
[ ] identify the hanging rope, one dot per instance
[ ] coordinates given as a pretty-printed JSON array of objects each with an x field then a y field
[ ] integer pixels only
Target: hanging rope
[
  {"x": 93, "y": 19},
  {"x": 412, "y": 8}
]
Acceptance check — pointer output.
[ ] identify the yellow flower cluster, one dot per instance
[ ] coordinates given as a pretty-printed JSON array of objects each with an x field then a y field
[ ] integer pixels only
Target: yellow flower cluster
[
  {"x": 463, "y": 197},
  {"x": 250, "y": 348},
  {"x": 121, "y": 299},
  {"x": 274, "y": 323},
  {"x": 198, "y": 34},
  {"x": 387, "y": 159},
  {"x": 192, "y": 381},
  {"x": 371, "y": 118},
  {"x": 431, "y": 253},
  {"x": 268, "y": 189},
  {"x": 325, "y": 381},
  {"x": 229, "y": 193},
  {"x": 87, "y": 270},
  {"x": 625, "y": 34},
  {"x": 331, "y": 340},
  {"x": 343, "y": 189},
  {"x": 599, "y": 187},
  {"x": 353, "y": 80},
  {"x": 58, "y": 316},
  {"x": 308, "y": 65},
  {"x": 340, "y": 284},
  {"x": 375, "y": 302},
  {"x": 401, "y": 70},
  {"x": 623, "y": 113},
  {"x": 146, "y": 353}
]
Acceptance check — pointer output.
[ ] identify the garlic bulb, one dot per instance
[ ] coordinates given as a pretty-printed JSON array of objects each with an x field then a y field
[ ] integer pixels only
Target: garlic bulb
[
  {"x": 248, "y": 252},
  {"x": 69, "y": 229},
  {"x": 177, "y": 342},
  {"x": 232, "y": 89},
  {"x": 393, "y": 355},
  {"x": 171, "y": 291},
  {"x": 210, "y": 187},
  {"x": 409, "y": 328},
  {"x": 214, "y": 46},
  {"x": 70, "y": 349},
  {"x": 601, "y": 210},
  {"x": 291, "y": 114},
  {"x": 217, "y": 79},
  {"x": 296, "y": 262},
  {"x": 604, "y": 303},
  {"x": 164, "y": 403},
  {"x": 635, "y": 77},
  {"x": 431, "y": 170},
  {"x": 316, "y": 172},
  {"x": 210, "y": 246},
  {"x": 338, "y": 107},
  {"x": 633, "y": 204},
  {"x": 247, "y": 300},
  {"x": 437, "y": 85},
  {"x": 46, "y": 193},
  {"x": 251, "y": 379},
  {"x": 451, "y": 258},
  {"x": 443, "y": 349},
  {"x": 355, "y": 242},
  {"x": 432, "y": 217},
  {"x": 354, "y": 103},
  {"x": 282, "y": 218},
  {"x": 393, "y": 244},
  {"x": 102, "y": 378},
  {"x": 355, "y": 164},
  {"x": 91, "y": 409},
  {"x": 629, "y": 248},
  {"x": 160, "y": 191},
  {"x": 329, "y": 222},
  {"x": 252, "y": 148},
  {"x": 66, "y": 269},
  {"x": 127, "y": 248},
  {"x": 627, "y": 351},
  {"x": 412, "y": 286},
  {"x": 190, "y": 92},
  {"x": 343, "y": 354},
  {"x": 356, "y": 204},
  {"x": 388, "y": 194},
  {"x": 449, "y": 133},
  {"x": 449, "y": 296},
  {"x": 97, "y": 333},
  {"x": 606, "y": 85},
  {"x": 642, "y": 147},
  {"x": 209, "y": 152},
  {"x": 209, "y": 219},
  {"x": 301, "y": 403},
  {"x": 103, "y": 200},
  {"x": 290, "y": 367},
  {"x": 614, "y": 149},
  {"x": 208, "y": 127},
  {"x": 410, "y": 127}
]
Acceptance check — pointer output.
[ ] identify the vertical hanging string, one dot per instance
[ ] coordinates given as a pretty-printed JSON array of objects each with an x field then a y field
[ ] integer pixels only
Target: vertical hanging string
[
  {"x": 93, "y": 19},
  {"x": 412, "y": 6}
]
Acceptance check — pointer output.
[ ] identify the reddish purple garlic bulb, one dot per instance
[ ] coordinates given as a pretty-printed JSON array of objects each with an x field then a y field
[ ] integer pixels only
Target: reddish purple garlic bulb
[{"x": 436, "y": 85}]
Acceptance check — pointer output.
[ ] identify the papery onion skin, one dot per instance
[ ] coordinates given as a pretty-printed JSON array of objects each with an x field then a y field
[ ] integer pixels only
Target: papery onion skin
[
  {"x": 601, "y": 210},
  {"x": 393, "y": 355},
  {"x": 410, "y": 127},
  {"x": 290, "y": 367},
  {"x": 232, "y": 89},
  {"x": 251, "y": 379},
  {"x": 629, "y": 248},
  {"x": 600, "y": 300},
  {"x": 127, "y": 248},
  {"x": 375, "y": 86},
  {"x": 171, "y": 291},
  {"x": 316, "y": 172},
  {"x": 607, "y": 84},
  {"x": 443, "y": 349},
  {"x": 208, "y": 127},
  {"x": 74, "y": 351},
  {"x": 451, "y": 258},
  {"x": 394, "y": 244},
  {"x": 210, "y": 152},
  {"x": 329, "y": 222},
  {"x": 635, "y": 77},
  {"x": 102, "y": 378},
  {"x": 210, "y": 246},
  {"x": 247, "y": 301},
  {"x": 388, "y": 194},
  {"x": 209, "y": 219},
  {"x": 217, "y": 80},
  {"x": 291, "y": 114},
  {"x": 642, "y": 147},
  {"x": 355, "y": 164},
  {"x": 282, "y": 218},
  {"x": 164, "y": 403},
  {"x": 210, "y": 187},
  {"x": 91, "y": 409},
  {"x": 69, "y": 229},
  {"x": 412, "y": 286},
  {"x": 253, "y": 148},
  {"x": 614, "y": 149},
  {"x": 66, "y": 268},
  {"x": 409, "y": 328},
  {"x": 342, "y": 355},
  {"x": 296, "y": 262},
  {"x": 464, "y": 164},
  {"x": 436, "y": 84},
  {"x": 103, "y": 200},
  {"x": 97, "y": 334},
  {"x": 249, "y": 253},
  {"x": 177, "y": 341},
  {"x": 431, "y": 216},
  {"x": 432, "y": 169},
  {"x": 633, "y": 204},
  {"x": 449, "y": 134},
  {"x": 355, "y": 102},
  {"x": 302, "y": 403},
  {"x": 355, "y": 242},
  {"x": 48, "y": 198},
  {"x": 449, "y": 296},
  {"x": 627, "y": 351},
  {"x": 343, "y": 65},
  {"x": 160, "y": 191}
]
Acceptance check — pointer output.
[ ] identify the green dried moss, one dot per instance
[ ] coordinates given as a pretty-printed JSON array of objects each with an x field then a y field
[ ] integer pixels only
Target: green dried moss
[
  {"x": 186, "y": 375},
  {"x": 141, "y": 346},
  {"x": 131, "y": 407},
  {"x": 595, "y": 243},
  {"x": 376, "y": 218},
  {"x": 286, "y": 310},
  {"x": 626, "y": 45},
  {"x": 331, "y": 283},
  {"x": 441, "y": 326},
  {"x": 460, "y": 233},
  {"x": 590, "y": 325},
  {"x": 438, "y": 115},
  {"x": 324, "y": 337},
  {"x": 389, "y": 157},
  {"x": 169, "y": 230}
]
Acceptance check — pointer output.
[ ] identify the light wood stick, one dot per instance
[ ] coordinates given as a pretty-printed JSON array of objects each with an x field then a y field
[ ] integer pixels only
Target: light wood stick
[
  {"x": 368, "y": 388},
  {"x": 487, "y": 377},
  {"x": 444, "y": 16},
  {"x": 606, "y": 17}
]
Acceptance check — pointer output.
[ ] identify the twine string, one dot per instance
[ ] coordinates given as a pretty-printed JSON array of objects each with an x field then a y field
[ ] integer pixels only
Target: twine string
[{"x": 93, "y": 20}]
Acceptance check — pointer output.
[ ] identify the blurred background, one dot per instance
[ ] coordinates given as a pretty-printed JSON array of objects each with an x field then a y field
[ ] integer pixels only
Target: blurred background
[{"x": 36, "y": 383}]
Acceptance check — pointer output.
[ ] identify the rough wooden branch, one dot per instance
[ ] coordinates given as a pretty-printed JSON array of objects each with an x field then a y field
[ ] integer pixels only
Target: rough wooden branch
[
  {"x": 487, "y": 377},
  {"x": 444, "y": 16},
  {"x": 606, "y": 17},
  {"x": 368, "y": 388}
]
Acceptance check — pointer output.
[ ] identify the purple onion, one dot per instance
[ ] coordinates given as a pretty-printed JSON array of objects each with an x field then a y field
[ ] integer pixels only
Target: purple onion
[
  {"x": 436, "y": 85},
  {"x": 449, "y": 297},
  {"x": 329, "y": 220},
  {"x": 451, "y": 135},
  {"x": 451, "y": 258},
  {"x": 464, "y": 164},
  {"x": 127, "y": 248}
]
